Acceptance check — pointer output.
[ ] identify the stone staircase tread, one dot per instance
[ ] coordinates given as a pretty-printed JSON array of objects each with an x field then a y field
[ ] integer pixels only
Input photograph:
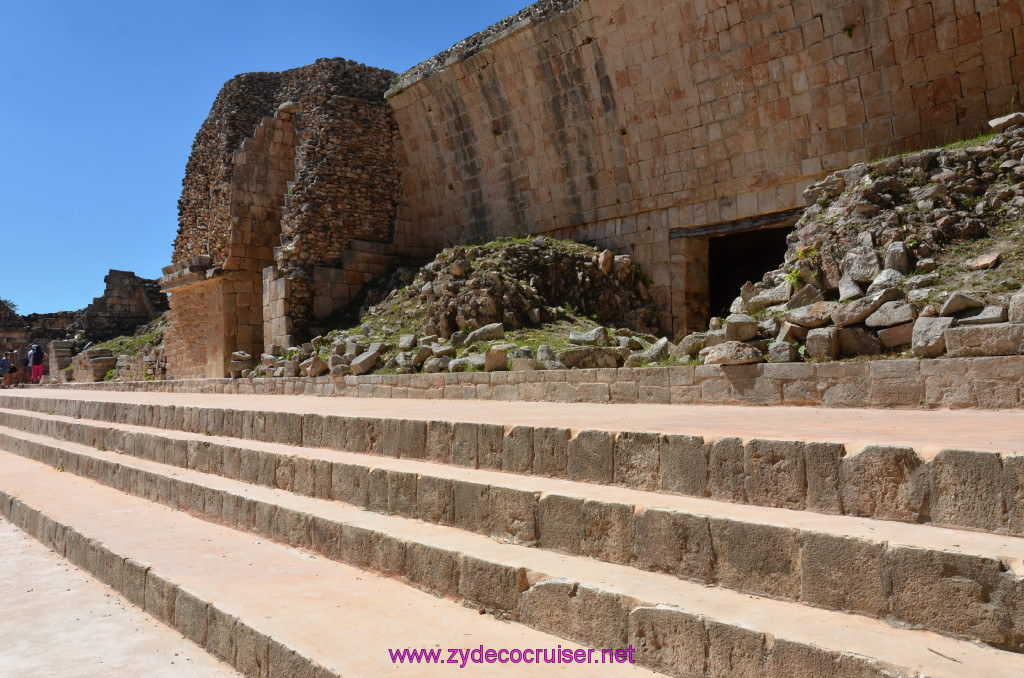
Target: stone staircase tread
[
  {"x": 926, "y": 431},
  {"x": 1005, "y": 548},
  {"x": 337, "y": 615},
  {"x": 835, "y": 631},
  {"x": 49, "y": 605}
]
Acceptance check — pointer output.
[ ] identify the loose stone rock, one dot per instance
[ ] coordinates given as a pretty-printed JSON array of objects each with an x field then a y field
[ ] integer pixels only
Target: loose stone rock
[
  {"x": 740, "y": 327},
  {"x": 316, "y": 366},
  {"x": 929, "y": 339},
  {"x": 919, "y": 281},
  {"x": 486, "y": 333},
  {"x": 894, "y": 337},
  {"x": 823, "y": 343},
  {"x": 595, "y": 337},
  {"x": 496, "y": 360},
  {"x": 776, "y": 295},
  {"x": 854, "y": 341},
  {"x": 655, "y": 353},
  {"x": 985, "y": 261},
  {"x": 732, "y": 353},
  {"x": 692, "y": 344},
  {"x": 958, "y": 302},
  {"x": 474, "y": 362},
  {"x": 1016, "y": 311},
  {"x": 364, "y": 362},
  {"x": 897, "y": 258},
  {"x": 925, "y": 265},
  {"x": 589, "y": 357},
  {"x": 814, "y": 315},
  {"x": 805, "y": 296},
  {"x": 857, "y": 311},
  {"x": 887, "y": 278},
  {"x": 782, "y": 352},
  {"x": 790, "y": 333},
  {"x": 526, "y": 365},
  {"x": 861, "y": 264},
  {"x": 848, "y": 289},
  {"x": 892, "y": 313},
  {"x": 982, "y": 316}
]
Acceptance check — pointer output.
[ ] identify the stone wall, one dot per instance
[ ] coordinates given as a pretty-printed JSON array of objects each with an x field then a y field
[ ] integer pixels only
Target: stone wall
[
  {"x": 986, "y": 383},
  {"x": 128, "y": 301},
  {"x": 647, "y": 127},
  {"x": 287, "y": 171},
  {"x": 191, "y": 336},
  {"x": 92, "y": 365}
]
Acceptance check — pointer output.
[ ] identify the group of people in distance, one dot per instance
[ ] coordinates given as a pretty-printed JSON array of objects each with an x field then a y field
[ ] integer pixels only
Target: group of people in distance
[{"x": 34, "y": 360}]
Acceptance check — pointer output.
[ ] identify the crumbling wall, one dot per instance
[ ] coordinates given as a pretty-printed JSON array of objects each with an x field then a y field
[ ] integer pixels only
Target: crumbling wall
[
  {"x": 339, "y": 116},
  {"x": 646, "y": 126},
  {"x": 287, "y": 171},
  {"x": 127, "y": 302}
]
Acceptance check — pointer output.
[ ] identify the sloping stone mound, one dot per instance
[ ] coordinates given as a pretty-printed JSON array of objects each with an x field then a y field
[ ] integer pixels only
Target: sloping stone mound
[
  {"x": 912, "y": 252},
  {"x": 519, "y": 283}
]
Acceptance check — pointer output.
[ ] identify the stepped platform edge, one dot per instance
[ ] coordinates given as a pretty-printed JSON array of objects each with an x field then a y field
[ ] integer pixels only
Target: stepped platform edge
[{"x": 983, "y": 383}]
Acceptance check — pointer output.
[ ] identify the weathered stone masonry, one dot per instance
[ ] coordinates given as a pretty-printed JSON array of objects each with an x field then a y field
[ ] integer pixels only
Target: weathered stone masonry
[
  {"x": 635, "y": 125},
  {"x": 667, "y": 130},
  {"x": 287, "y": 175}
]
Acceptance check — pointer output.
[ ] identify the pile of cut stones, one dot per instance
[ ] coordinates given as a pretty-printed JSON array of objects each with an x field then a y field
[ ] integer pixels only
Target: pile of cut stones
[
  {"x": 858, "y": 274},
  {"x": 483, "y": 349}
]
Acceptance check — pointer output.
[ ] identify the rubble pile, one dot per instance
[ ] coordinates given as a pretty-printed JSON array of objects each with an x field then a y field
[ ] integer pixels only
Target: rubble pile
[
  {"x": 921, "y": 252},
  {"x": 522, "y": 304}
]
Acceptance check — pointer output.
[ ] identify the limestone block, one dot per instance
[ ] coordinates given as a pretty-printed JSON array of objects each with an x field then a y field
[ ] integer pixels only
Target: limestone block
[
  {"x": 858, "y": 311},
  {"x": 565, "y": 608},
  {"x": 839, "y": 573},
  {"x": 725, "y": 470},
  {"x": 494, "y": 586},
  {"x": 677, "y": 543},
  {"x": 668, "y": 640},
  {"x": 432, "y": 568},
  {"x": 517, "y": 450},
  {"x": 590, "y": 457},
  {"x": 759, "y": 559},
  {"x": 929, "y": 340},
  {"x": 774, "y": 473},
  {"x": 967, "y": 489},
  {"x": 560, "y": 520},
  {"x": 637, "y": 460},
  {"x": 823, "y": 343},
  {"x": 889, "y": 483},
  {"x": 985, "y": 340},
  {"x": 513, "y": 515},
  {"x": 607, "y": 531},
  {"x": 684, "y": 465}
]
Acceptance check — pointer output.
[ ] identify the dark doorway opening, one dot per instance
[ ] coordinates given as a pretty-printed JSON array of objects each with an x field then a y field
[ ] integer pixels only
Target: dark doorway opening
[{"x": 735, "y": 258}]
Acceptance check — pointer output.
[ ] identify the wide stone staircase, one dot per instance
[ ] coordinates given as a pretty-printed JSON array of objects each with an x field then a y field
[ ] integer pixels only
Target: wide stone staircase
[{"x": 310, "y": 541}]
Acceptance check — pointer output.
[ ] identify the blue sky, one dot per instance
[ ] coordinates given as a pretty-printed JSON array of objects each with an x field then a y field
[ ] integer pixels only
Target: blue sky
[{"x": 99, "y": 103}]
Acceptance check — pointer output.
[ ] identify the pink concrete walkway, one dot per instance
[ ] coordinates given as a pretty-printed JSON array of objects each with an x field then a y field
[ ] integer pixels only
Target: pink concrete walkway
[{"x": 927, "y": 431}]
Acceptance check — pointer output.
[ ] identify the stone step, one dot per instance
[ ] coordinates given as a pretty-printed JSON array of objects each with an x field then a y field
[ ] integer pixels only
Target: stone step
[
  {"x": 266, "y": 609},
  {"x": 957, "y": 469},
  {"x": 491, "y": 575},
  {"x": 49, "y": 605},
  {"x": 913, "y": 574}
]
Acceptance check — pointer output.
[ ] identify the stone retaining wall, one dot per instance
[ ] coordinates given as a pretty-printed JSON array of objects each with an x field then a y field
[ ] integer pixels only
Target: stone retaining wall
[{"x": 987, "y": 383}]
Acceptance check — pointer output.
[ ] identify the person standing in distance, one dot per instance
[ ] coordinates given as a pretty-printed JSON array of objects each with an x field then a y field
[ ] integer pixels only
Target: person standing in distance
[{"x": 36, "y": 357}]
